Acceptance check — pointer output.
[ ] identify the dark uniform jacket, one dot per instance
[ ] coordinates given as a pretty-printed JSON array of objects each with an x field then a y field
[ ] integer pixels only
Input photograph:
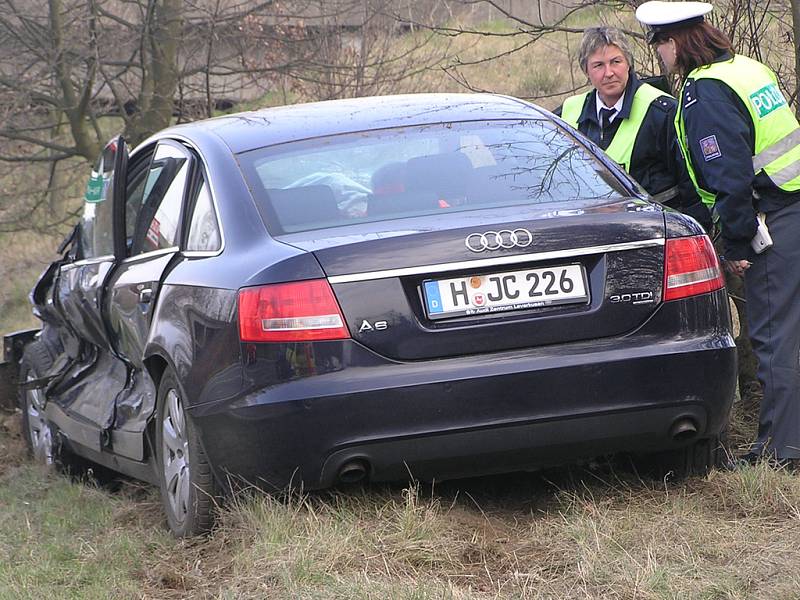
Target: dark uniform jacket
[
  {"x": 656, "y": 161},
  {"x": 711, "y": 108}
]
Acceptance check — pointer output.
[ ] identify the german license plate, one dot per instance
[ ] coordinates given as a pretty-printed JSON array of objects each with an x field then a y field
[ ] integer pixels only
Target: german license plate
[{"x": 513, "y": 290}]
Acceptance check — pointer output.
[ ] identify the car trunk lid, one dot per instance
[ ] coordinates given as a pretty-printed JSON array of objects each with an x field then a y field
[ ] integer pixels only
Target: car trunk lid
[{"x": 492, "y": 280}]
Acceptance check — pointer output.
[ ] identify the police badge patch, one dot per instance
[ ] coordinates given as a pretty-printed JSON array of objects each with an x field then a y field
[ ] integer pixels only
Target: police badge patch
[{"x": 710, "y": 148}]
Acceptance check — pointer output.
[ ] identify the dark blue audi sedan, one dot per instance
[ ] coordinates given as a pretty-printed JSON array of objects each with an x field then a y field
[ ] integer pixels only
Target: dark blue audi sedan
[{"x": 426, "y": 285}]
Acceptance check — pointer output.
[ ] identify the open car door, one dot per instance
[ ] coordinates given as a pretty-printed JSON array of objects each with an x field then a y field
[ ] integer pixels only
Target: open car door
[
  {"x": 92, "y": 374},
  {"x": 158, "y": 182}
]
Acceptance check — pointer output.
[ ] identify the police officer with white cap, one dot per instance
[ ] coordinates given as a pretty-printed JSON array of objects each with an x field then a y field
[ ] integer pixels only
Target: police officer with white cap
[{"x": 741, "y": 142}]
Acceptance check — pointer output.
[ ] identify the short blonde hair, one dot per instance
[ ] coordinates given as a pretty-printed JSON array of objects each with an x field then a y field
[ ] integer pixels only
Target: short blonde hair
[{"x": 595, "y": 38}]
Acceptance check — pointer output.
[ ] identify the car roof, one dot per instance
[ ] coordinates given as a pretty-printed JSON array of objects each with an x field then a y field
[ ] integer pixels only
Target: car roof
[{"x": 269, "y": 126}]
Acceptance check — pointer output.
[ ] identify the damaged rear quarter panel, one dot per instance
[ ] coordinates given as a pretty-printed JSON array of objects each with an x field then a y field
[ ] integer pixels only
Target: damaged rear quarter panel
[{"x": 195, "y": 330}]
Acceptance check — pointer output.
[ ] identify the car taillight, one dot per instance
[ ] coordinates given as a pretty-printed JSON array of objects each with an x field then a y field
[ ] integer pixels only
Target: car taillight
[
  {"x": 290, "y": 312},
  {"x": 691, "y": 267}
]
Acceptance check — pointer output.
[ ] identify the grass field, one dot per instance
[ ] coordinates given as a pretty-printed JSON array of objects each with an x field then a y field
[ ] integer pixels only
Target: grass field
[{"x": 597, "y": 531}]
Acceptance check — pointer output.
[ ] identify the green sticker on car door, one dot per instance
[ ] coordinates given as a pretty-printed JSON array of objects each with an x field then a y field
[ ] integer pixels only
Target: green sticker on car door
[{"x": 95, "y": 188}]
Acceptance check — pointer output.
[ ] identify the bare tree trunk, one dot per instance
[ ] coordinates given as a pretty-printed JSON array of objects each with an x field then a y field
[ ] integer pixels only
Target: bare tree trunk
[
  {"x": 161, "y": 70},
  {"x": 75, "y": 102}
]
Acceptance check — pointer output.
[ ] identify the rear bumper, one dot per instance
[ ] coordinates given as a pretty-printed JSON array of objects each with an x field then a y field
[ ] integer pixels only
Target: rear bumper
[
  {"x": 500, "y": 449},
  {"x": 470, "y": 415}
]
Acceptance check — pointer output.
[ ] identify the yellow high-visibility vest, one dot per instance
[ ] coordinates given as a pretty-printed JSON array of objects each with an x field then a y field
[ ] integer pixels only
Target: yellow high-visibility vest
[
  {"x": 621, "y": 147},
  {"x": 777, "y": 143}
]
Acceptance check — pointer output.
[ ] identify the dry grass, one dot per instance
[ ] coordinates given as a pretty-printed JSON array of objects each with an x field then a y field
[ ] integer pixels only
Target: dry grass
[
  {"x": 23, "y": 256},
  {"x": 565, "y": 533},
  {"x": 731, "y": 535},
  {"x": 545, "y": 72},
  {"x": 12, "y": 447}
]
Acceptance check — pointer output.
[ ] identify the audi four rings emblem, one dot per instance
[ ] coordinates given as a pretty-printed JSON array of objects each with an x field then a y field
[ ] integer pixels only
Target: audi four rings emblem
[{"x": 494, "y": 240}]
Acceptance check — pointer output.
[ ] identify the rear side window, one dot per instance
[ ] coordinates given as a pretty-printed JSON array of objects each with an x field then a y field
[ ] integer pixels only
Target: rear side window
[
  {"x": 204, "y": 234},
  {"x": 411, "y": 171}
]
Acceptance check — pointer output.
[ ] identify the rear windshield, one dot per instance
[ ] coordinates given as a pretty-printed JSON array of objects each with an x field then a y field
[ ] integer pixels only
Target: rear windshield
[{"x": 411, "y": 171}]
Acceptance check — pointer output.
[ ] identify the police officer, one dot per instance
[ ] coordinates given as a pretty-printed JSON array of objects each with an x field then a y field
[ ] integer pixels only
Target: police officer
[
  {"x": 632, "y": 121},
  {"x": 741, "y": 142}
]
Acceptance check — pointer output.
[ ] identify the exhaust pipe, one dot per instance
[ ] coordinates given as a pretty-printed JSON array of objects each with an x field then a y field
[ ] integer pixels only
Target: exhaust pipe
[
  {"x": 353, "y": 471},
  {"x": 683, "y": 429}
]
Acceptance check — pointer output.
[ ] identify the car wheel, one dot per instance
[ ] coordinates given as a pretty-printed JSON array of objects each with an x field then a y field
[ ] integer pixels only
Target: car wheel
[
  {"x": 188, "y": 490},
  {"x": 38, "y": 432},
  {"x": 696, "y": 459}
]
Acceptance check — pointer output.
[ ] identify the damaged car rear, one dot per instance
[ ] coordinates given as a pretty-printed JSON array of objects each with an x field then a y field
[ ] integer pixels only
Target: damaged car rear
[{"x": 429, "y": 285}]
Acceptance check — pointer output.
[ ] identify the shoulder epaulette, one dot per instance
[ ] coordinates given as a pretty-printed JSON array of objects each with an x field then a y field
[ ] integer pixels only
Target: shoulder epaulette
[{"x": 665, "y": 103}]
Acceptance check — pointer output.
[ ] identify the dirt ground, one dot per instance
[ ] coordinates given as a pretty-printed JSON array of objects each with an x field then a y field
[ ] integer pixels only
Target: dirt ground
[{"x": 12, "y": 446}]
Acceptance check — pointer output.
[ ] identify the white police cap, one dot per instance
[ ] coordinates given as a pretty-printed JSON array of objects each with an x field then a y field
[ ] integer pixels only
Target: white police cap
[{"x": 663, "y": 16}]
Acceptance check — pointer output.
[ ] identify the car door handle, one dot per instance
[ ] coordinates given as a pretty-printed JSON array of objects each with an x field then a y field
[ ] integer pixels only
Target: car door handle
[{"x": 145, "y": 296}]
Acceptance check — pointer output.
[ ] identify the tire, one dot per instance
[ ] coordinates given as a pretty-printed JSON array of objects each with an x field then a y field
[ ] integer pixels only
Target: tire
[
  {"x": 188, "y": 491},
  {"x": 697, "y": 459},
  {"x": 38, "y": 431},
  {"x": 694, "y": 460},
  {"x": 41, "y": 437}
]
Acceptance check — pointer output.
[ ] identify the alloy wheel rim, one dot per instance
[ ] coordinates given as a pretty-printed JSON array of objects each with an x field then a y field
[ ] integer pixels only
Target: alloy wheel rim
[
  {"x": 39, "y": 431},
  {"x": 175, "y": 453}
]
